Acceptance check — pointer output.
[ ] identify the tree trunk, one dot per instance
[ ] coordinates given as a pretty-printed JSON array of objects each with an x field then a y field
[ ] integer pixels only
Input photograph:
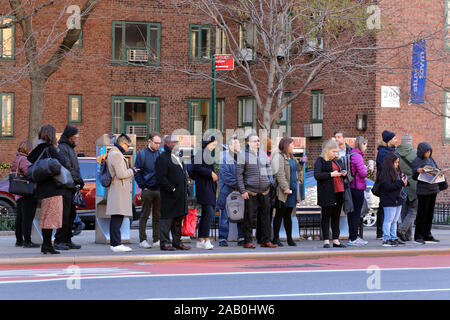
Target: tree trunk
[{"x": 36, "y": 108}]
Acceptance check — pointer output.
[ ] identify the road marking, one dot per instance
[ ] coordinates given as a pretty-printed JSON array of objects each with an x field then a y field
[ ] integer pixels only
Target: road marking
[{"x": 312, "y": 294}]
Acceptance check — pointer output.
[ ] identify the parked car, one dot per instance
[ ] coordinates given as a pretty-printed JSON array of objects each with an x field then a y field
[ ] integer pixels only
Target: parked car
[{"x": 88, "y": 169}]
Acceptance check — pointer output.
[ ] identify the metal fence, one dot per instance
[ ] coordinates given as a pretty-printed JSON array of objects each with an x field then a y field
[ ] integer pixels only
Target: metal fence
[{"x": 442, "y": 213}]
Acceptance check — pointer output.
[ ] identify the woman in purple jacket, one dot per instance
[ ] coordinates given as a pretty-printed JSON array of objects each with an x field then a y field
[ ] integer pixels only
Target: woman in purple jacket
[{"x": 357, "y": 187}]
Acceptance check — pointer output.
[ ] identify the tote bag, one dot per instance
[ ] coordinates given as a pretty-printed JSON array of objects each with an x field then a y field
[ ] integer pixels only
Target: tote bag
[{"x": 189, "y": 223}]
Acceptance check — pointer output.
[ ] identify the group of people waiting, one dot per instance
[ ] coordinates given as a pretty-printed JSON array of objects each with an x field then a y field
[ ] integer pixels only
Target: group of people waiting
[{"x": 265, "y": 182}]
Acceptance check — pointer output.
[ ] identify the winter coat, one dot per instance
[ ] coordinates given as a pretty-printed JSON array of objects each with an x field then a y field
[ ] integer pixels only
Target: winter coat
[
  {"x": 253, "y": 172},
  {"x": 172, "y": 180},
  {"x": 66, "y": 149},
  {"x": 382, "y": 153},
  {"x": 146, "y": 176},
  {"x": 20, "y": 164},
  {"x": 325, "y": 184},
  {"x": 227, "y": 178},
  {"x": 120, "y": 193},
  {"x": 359, "y": 170},
  {"x": 48, "y": 187},
  {"x": 424, "y": 188},
  {"x": 407, "y": 151},
  {"x": 205, "y": 186},
  {"x": 390, "y": 193},
  {"x": 282, "y": 173}
]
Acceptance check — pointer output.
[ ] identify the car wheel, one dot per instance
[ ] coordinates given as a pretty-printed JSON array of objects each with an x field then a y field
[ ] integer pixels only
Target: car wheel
[
  {"x": 6, "y": 209},
  {"x": 370, "y": 219}
]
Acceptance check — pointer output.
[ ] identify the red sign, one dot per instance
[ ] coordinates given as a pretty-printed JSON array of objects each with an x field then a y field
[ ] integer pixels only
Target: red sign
[{"x": 224, "y": 61}]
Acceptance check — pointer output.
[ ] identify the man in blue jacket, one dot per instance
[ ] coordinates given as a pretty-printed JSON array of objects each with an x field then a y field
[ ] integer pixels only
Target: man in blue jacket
[
  {"x": 146, "y": 180},
  {"x": 227, "y": 184}
]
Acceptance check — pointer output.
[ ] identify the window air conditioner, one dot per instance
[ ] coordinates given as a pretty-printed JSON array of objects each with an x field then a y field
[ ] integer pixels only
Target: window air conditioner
[
  {"x": 313, "y": 44},
  {"x": 139, "y": 130},
  {"x": 281, "y": 51},
  {"x": 313, "y": 130},
  {"x": 137, "y": 55},
  {"x": 246, "y": 54}
]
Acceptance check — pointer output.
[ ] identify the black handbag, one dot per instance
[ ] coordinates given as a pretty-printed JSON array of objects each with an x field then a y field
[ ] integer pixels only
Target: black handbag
[
  {"x": 443, "y": 185},
  {"x": 376, "y": 188},
  {"x": 42, "y": 169},
  {"x": 19, "y": 185}
]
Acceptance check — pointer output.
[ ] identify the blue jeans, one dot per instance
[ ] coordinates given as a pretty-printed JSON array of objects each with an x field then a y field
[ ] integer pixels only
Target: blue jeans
[
  {"x": 391, "y": 216},
  {"x": 224, "y": 226}
]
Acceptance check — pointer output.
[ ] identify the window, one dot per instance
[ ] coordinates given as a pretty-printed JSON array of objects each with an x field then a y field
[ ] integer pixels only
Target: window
[
  {"x": 74, "y": 108},
  {"x": 135, "y": 115},
  {"x": 6, "y": 39},
  {"x": 247, "y": 41},
  {"x": 317, "y": 106},
  {"x": 199, "y": 115},
  {"x": 220, "y": 115},
  {"x": 286, "y": 118},
  {"x": 447, "y": 113},
  {"x": 136, "y": 42},
  {"x": 6, "y": 114},
  {"x": 246, "y": 111},
  {"x": 221, "y": 41},
  {"x": 200, "y": 42}
]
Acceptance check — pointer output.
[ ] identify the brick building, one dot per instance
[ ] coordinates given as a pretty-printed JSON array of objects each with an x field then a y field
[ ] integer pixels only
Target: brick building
[{"x": 122, "y": 77}]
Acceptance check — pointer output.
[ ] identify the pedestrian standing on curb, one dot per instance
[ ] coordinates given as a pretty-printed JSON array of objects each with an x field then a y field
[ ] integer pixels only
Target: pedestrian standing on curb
[
  {"x": 150, "y": 195},
  {"x": 343, "y": 148},
  {"x": 47, "y": 191},
  {"x": 426, "y": 195},
  {"x": 357, "y": 188},
  {"x": 254, "y": 177},
  {"x": 286, "y": 170},
  {"x": 407, "y": 155},
  {"x": 172, "y": 179},
  {"x": 119, "y": 203},
  {"x": 67, "y": 143},
  {"x": 26, "y": 205},
  {"x": 228, "y": 184},
  {"x": 206, "y": 188},
  {"x": 385, "y": 146},
  {"x": 392, "y": 196},
  {"x": 330, "y": 191}
]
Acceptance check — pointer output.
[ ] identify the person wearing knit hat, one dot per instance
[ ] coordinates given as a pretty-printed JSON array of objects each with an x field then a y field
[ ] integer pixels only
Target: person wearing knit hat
[
  {"x": 70, "y": 131},
  {"x": 387, "y": 136}
]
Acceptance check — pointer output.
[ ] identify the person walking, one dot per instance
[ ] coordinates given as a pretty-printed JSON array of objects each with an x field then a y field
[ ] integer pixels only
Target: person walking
[
  {"x": 330, "y": 191},
  {"x": 392, "y": 182},
  {"x": 385, "y": 146},
  {"x": 357, "y": 188},
  {"x": 228, "y": 184},
  {"x": 286, "y": 172},
  {"x": 120, "y": 193},
  {"x": 26, "y": 205},
  {"x": 205, "y": 187},
  {"x": 67, "y": 143},
  {"x": 407, "y": 155},
  {"x": 151, "y": 197},
  {"x": 172, "y": 178},
  {"x": 254, "y": 179},
  {"x": 47, "y": 191},
  {"x": 426, "y": 195}
]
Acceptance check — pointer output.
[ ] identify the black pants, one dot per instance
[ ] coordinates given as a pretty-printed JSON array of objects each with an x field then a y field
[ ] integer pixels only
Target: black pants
[
  {"x": 64, "y": 234},
  {"x": 424, "y": 218},
  {"x": 282, "y": 213},
  {"x": 170, "y": 225},
  {"x": 263, "y": 217},
  {"x": 205, "y": 221},
  {"x": 26, "y": 209},
  {"x": 114, "y": 230},
  {"x": 332, "y": 213},
  {"x": 380, "y": 219},
  {"x": 353, "y": 218}
]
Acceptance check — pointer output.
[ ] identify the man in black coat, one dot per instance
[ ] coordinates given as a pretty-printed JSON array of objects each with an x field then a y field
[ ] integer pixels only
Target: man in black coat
[
  {"x": 67, "y": 143},
  {"x": 171, "y": 175}
]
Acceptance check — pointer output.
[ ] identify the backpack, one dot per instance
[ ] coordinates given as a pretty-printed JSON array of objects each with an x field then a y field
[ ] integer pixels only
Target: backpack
[
  {"x": 105, "y": 176},
  {"x": 347, "y": 162},
  {"x": 235, "y": 206}
]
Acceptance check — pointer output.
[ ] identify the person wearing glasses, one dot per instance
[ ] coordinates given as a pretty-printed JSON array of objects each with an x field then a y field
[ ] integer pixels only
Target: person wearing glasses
[
  {"x": 254, "y": 179},
  {"x": 151, "y": 197},
  {"x": 120, "y": 194}
]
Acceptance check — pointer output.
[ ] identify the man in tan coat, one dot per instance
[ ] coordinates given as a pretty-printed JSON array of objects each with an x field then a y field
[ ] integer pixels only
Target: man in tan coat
[{"x": 120, "y": 194}]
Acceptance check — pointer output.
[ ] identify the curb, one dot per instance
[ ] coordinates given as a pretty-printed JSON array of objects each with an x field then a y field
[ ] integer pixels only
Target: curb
[{"x": 222, "y": 256}]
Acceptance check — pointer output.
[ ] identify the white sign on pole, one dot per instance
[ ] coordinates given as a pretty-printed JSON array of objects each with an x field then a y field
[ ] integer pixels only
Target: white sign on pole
[{"x": 390, "y": 97}]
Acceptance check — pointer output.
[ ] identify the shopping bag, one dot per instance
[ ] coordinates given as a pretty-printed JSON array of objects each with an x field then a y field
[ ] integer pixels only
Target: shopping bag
[{"x": 189, "y": 223}]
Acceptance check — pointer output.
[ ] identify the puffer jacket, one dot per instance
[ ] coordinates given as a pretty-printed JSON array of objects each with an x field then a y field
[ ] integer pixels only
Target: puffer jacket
[
  {"x": 20, "y": 164},
  {"x": 424, "y": 188},
  {"x": 408, "y": 152},
  {"x": 359, "y": 170},
  {"x": 253, "y": 172}
]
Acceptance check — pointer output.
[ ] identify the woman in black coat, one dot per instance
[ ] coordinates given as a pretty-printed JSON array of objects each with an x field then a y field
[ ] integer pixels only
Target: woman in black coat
[
  {"x": 205, "y": 190},
  {"x": 330, "y": 191},
  {"x": 48, "y": 191}
]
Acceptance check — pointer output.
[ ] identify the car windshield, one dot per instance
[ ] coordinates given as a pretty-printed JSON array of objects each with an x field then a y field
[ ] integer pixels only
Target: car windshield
[{"x": 88, "y": 169}]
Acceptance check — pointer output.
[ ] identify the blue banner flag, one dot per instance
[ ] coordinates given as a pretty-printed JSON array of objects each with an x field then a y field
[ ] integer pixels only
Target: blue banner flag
[{"x": 419, "y": 72}]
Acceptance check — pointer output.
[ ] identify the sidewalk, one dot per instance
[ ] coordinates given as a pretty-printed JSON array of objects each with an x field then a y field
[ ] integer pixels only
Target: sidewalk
[{"x": 92, "y": 252}]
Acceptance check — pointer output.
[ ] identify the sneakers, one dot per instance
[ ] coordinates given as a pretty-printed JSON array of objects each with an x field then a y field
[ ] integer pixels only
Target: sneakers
[
  {"x": 419, "y": 241},
  {"x": 205, "y": 244},
  {"x": 120, "y": 248},
  {"x": 223, "y": 243},
  {"x": 144, "y": 244},
  {"x": 361, "y": 241},
  {"x": 351, "y": 243},
  {"x": 156, "y": 244},
  {"x": 387, "y": 243},
  {"x": 432, "y": 240},
  {"x": 398, "y": 242}
]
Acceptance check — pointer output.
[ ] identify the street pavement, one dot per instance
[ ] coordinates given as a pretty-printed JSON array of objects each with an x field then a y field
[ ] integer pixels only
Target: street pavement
[{"x": 92, "y": 252}]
